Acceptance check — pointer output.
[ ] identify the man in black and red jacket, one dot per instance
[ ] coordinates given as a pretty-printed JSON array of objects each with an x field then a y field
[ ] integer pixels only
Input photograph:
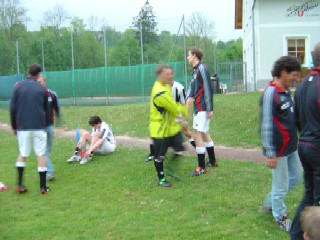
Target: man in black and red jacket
[
  {"x": 279, "y": 137},
  {"x": 308, "y": 121}
]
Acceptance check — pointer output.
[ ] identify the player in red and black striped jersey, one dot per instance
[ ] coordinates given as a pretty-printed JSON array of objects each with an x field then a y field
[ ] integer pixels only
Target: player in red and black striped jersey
[
  {"x": 201, "y": 94},
  {"x": 279, "y": 137}
]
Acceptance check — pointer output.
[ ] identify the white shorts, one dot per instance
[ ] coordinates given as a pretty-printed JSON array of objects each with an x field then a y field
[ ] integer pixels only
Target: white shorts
[
  {"x": 201, "y": 122},
  {"x": 107, "y": 147},
  {"x": 38, "y": 139}
]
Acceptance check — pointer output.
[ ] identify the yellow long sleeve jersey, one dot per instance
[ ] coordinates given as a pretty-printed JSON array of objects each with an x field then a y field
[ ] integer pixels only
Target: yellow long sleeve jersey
[{"x": 163, "y": 111}]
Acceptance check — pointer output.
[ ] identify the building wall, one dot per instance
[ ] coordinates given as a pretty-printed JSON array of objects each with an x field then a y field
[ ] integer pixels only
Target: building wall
[{"x": 274, "y": 22}]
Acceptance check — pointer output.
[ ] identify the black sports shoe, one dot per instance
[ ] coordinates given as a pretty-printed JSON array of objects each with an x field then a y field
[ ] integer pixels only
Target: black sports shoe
[
  {"x": 149, "y": 158},
  {"x": 21, "y": 189},
  {"x": 209, "y": 164},
  {"x": 198, "y": 172},
  {"x": 164, "y": 183},
  {"x": 44, "y": 190}
]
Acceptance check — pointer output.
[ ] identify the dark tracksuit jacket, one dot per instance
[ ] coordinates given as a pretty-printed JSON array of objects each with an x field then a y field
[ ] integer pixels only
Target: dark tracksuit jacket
[
  {"x": 308, "y": 107},
  {"x": 277, "y": 122},
  {"x": 52, "y": 105},
  {"x": 200, "y": 89},
  {"x": 27, "y": 106}
]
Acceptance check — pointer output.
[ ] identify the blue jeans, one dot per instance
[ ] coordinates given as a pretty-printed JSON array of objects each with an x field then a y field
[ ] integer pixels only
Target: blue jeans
[
  {"x": 309, "y": 153},
  {"x": 285, "y": 177},
  {"x": 50, "y": 135}
]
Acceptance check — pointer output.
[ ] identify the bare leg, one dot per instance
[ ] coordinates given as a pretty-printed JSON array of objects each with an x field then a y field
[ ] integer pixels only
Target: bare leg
[{"x": 84, "y": 139}]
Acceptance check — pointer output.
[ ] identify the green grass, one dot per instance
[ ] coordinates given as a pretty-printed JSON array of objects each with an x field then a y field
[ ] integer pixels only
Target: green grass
[
  {"x": 116, "y": 197},
  {"x": 235, "y": 121}
]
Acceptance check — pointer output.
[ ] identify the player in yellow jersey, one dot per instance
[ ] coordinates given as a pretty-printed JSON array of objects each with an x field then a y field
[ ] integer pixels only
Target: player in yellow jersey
[{"x": 162, "y": 123}]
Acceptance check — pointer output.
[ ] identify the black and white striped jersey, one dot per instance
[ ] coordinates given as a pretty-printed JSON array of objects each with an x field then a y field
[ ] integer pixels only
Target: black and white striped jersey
[{"x": 178, "y": 92}]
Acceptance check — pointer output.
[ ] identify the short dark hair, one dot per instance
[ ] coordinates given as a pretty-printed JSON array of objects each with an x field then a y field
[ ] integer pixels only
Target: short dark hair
[
  {"x": 196, "y": 51},
  {"x": 93, "y": 120},
  {"x": 161, "y": 68},
  {"x": 286, "y": 63},
  {"x": 34, "y": 70}
]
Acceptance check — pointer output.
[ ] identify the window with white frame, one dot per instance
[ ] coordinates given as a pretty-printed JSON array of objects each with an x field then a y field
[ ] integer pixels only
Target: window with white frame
[{"x": 297, "y": 48}]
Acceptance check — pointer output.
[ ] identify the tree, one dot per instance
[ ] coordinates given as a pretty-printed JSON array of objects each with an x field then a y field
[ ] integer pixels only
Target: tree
[
  {"x": 234, "y": 50},
  {"x": 77, "y": 26},
  {"x": 93, "y": 22},
  {"x": 55, "y": 17},
  {"x": 13, "y": 18},
  {"x": 127, "y": 50},
  {"x": 199, "y": 28},
  {"x": 201, "y": 33},
  {"x": 147, "y": 21}
]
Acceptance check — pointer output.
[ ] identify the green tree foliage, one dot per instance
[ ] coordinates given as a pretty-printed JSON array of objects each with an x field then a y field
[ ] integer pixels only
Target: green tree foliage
[
  {"x": 126, "y": 51},
  {"x": 229, "y": 51},
  {"x": 148, "y": 24},
  {"x": 13, "y": 18}
]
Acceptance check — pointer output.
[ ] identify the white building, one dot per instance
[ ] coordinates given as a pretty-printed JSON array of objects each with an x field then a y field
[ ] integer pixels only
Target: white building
[{"x": 273, "y": 28}]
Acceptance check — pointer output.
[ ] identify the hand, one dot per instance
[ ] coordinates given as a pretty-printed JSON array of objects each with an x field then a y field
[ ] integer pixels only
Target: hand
[
  {"x": 209, "y": 115},
  {"x": 87, "y": 153},
  {"x": 58, "y": 122},
  {"x": 14, "y": 132},
  {"x": 272, "y": 162},
  {"x": 189, "y": 101}
]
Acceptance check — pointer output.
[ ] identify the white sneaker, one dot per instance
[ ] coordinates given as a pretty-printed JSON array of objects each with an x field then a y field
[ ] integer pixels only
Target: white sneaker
[
  {"x": 74, "y": 158},
  {"x": 284, "y": 224},
  {"x": 85, "y": 160}
]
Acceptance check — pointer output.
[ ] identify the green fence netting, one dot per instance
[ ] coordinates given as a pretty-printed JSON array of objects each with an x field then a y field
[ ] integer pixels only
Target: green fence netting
[{"x": 104, "y": 85}]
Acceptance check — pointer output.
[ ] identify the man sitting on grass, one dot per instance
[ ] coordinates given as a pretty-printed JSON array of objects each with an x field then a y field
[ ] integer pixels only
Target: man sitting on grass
[{"x": 101, "y": 141}]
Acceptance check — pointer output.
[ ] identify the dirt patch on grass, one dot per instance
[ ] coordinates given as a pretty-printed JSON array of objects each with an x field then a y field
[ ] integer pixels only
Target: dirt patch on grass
[{"x": 220, "y": 151}]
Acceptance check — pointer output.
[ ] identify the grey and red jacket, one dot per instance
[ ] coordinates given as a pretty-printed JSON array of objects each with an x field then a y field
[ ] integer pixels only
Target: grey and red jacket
[
  {"x": 277, "y": 122},
  {"x": 308, "y": 107},
  {"x": 52, "y": 106},
  {"x": 200, "y": 89},
  {"x": 27, "y": 106}
]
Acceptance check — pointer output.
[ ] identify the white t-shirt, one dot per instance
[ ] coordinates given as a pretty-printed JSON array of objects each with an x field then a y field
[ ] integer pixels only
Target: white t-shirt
[{"x": 106, "y": 132}]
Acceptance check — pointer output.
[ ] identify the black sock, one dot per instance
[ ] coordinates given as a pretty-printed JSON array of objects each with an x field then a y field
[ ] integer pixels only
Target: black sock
[
  {"x": 20, "y": 174},
  {"x": 212, "y": 156},
  {"x": 159, "y": 169},
  {"x": 76, "y": 151},
  {"x": 43, "y": 179},
  {"x": 151, "y": 150},
  {"x": 201, "y": 160},
  {"x": 193, "y": 143}
]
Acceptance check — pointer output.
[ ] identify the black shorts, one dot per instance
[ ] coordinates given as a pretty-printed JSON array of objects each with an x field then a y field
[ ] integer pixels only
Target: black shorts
[
  {"x": 161, "y": 145},
  {"x": 176, "y": 142}
]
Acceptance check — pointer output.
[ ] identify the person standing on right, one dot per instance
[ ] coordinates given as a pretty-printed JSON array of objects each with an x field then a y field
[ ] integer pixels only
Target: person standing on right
[
  {"x": 308, "y": 119},
  {"x": 279, "y": 137},
  {"x": 200, "y": 93},
  {"x": 27, "y": 112}
]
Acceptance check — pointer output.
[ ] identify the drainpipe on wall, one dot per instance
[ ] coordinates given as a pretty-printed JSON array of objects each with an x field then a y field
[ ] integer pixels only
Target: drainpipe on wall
[{"x": 254, "y": 50}]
